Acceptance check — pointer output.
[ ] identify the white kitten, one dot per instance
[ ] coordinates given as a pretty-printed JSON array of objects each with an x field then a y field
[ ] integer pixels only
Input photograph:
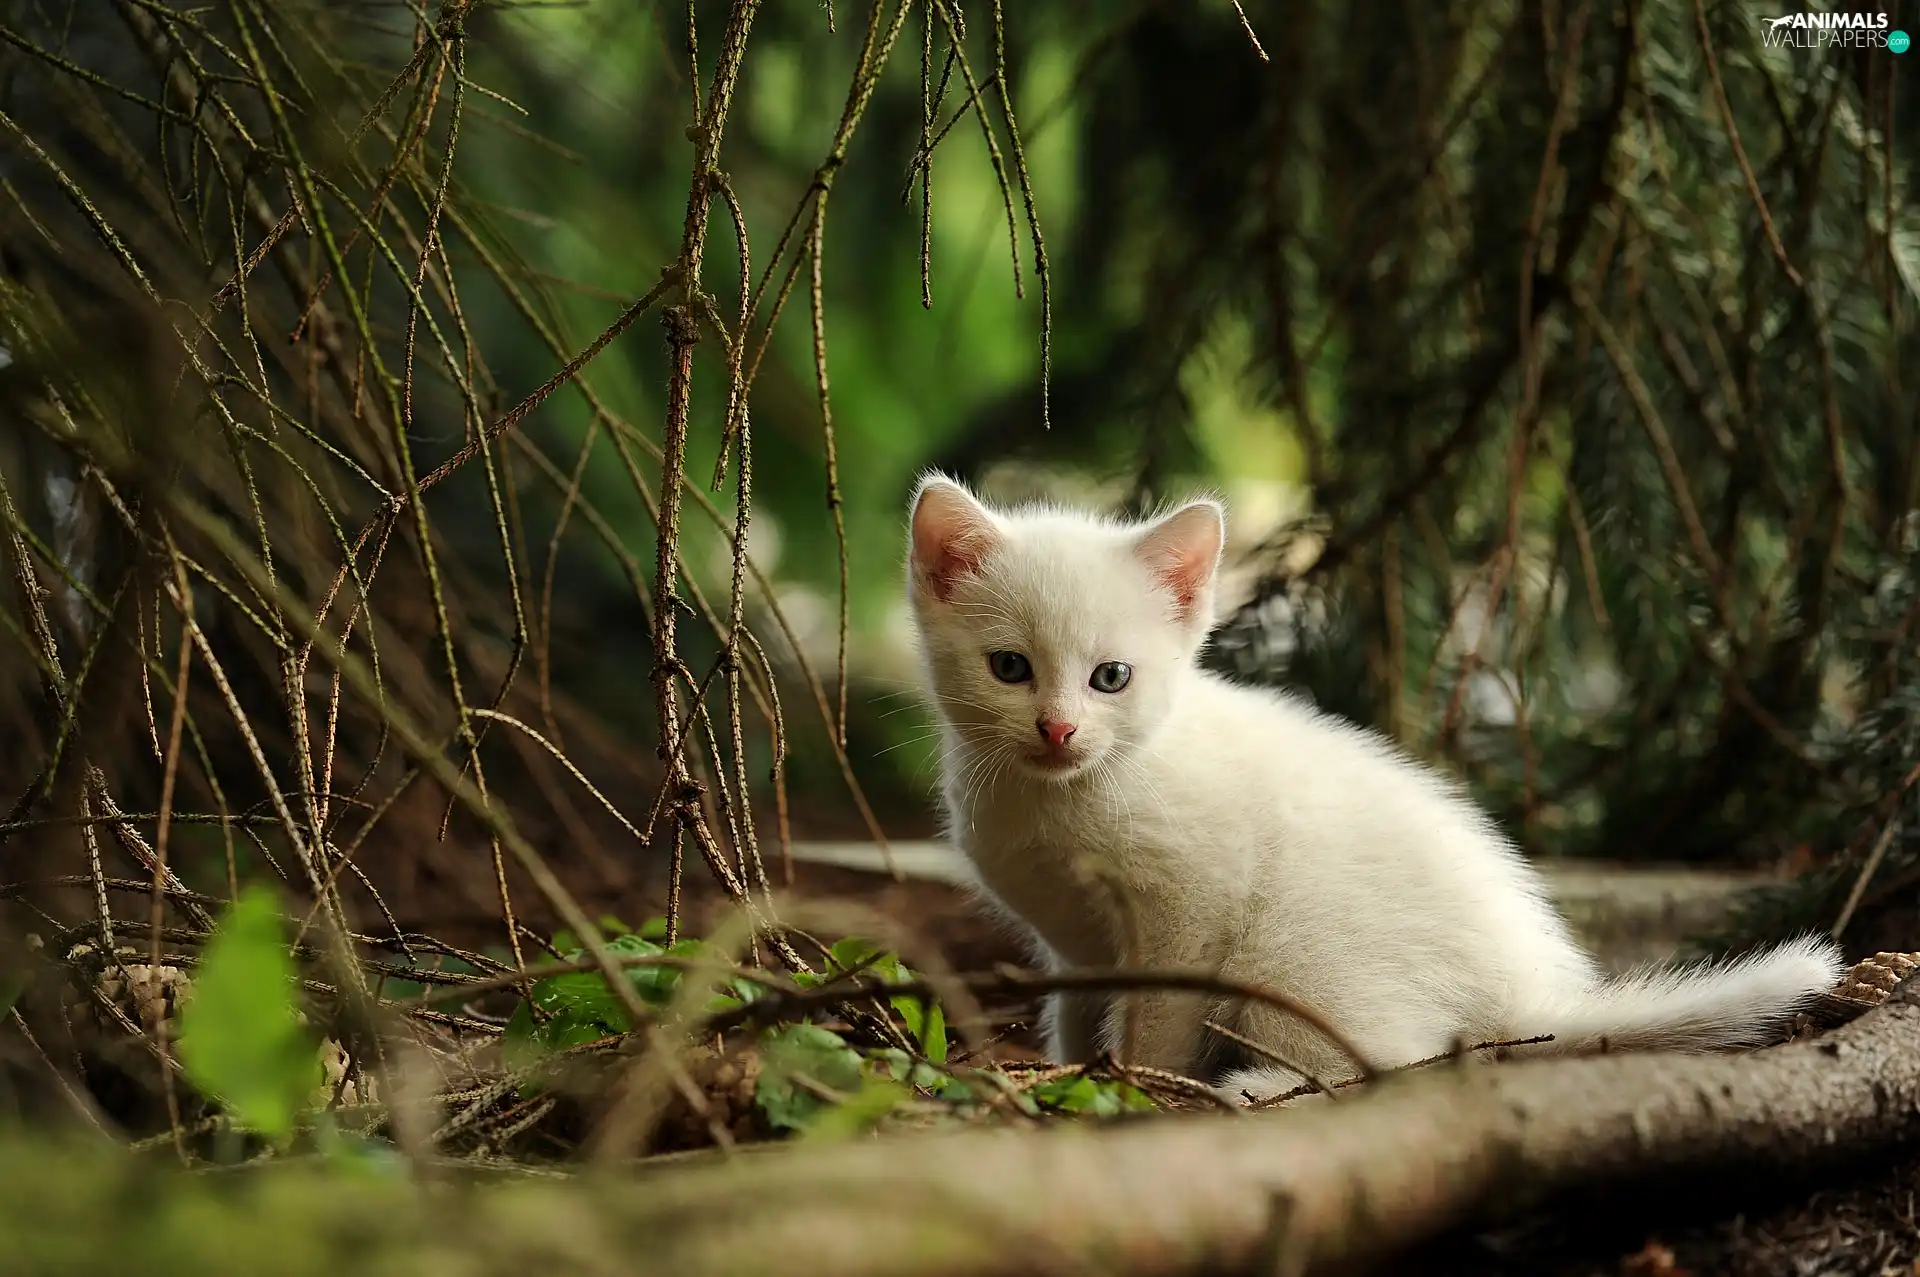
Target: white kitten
[{"x": 1128, "y": 806}]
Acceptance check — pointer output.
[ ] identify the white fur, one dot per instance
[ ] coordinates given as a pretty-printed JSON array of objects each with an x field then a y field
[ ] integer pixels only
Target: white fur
[{"x": 1197, "y": 823}]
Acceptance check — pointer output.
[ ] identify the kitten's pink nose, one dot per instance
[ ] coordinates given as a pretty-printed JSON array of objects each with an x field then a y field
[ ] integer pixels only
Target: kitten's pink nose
[{"x": 1055, "y": 732}]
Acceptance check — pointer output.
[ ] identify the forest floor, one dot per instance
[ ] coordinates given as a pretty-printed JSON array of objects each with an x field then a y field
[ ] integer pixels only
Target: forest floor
[{"x": 1865, "y": 1225}]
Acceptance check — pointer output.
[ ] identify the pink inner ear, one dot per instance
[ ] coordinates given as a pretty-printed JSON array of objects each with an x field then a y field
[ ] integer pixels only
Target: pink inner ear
[
  {"x": 952, "y": 534},
  {"x": 1183, "y": 550}
]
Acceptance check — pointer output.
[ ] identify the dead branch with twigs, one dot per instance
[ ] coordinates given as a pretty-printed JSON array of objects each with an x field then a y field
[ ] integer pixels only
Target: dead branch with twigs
[{"x": 253, "y": 433}]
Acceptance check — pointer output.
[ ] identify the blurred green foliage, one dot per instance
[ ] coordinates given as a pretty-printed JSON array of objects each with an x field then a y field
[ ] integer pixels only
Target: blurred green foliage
[
  {"x": 243, "y": 1038},
  {"x": 1587, "y": 433},
  {"x": 1549, "y": 354}
]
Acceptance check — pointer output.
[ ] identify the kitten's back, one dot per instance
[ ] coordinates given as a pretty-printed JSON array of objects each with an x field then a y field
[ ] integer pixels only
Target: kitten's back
[{"x": 1360, "y": 849}]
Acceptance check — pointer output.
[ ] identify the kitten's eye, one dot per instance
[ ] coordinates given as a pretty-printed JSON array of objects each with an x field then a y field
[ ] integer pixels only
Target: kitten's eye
[
  {"x": 1110, "y": 677},
  {"x": 1009, "y": 667}
]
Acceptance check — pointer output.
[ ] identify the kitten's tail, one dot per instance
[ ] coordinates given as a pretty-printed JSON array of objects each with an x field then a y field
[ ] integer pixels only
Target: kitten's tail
[{"x": 1706, "y": 1007}]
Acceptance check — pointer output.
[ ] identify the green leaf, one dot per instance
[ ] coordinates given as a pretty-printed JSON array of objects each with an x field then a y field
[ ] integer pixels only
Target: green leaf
[
  {"x": 927, "y": 1023},
  {"x": 933, "y": 1039},
  {"x": 356, "y": 1154},
  {"x": 1069, "y": 1094},
  {"x": 950, "y": 1087},
  {"x": 582, "y": 997},
  {"x": 901, "y": 1067},
  {"x": 1095, "y": 1097},
  {"x": 241, "y": 1036},
  {"x": 851, "y": 952},
  {"x": 560, "y": 1035},
  {"x": 860, "y": 1113},
  {"x": 809, "y": 1050},
  {"x": 632, "y": 943},
  {"x": 521, "y": 1046}
]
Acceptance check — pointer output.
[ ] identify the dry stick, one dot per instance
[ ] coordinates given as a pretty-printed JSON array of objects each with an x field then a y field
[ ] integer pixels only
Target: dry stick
[
  {"x": 396, "y": 414},
  {"x": 683, "y": 333},
  {"x": 507, "y": 421},
  {"x": 920, "y": 161},
  {"x": 518, "y": 651},
  {"x": 736, "y": 418},
  {"x": 1267, "y": 1053},
  {"x": 925, "y": 158},
  {"x": 388, "y": 525},
  {"x": 1247, "y": 27},
  {"x": 956, "y": 37},
  {"x": 119, "y": 817},
  {"x": 1007, "y": 981},
  {"x": 80, "y": 1102},
  {"x": 296, "y": 679},
  {"x": 93, "y": 781},
  {"x": 1884, "y": 810},
  {"x": 454, "y": 14},
  {"x": 1454, "y": 1056},
  {"x": 1040, "y": 268},
  {"x": 1733, "y": 136},
  {"x": 465, "y": 988},
  {"x": 146, "y": 677},
  {"x": 816, "y": 244},
  {"x": 570, "y": 495},
  {"x": 874, "y": 52},
  {"x": 170, "y": 773},
  {"x": 851, "y": 918},
  {"x": 721, "y": 869},
  {"x": 736, "y": 596}
]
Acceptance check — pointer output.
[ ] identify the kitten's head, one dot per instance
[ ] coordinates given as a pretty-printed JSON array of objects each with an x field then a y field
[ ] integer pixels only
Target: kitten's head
[{"x": 1051, "y": 636}]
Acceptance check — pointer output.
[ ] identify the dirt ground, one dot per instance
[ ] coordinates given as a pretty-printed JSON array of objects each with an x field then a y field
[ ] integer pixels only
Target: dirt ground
[{"x": 1865, "y": 1227}]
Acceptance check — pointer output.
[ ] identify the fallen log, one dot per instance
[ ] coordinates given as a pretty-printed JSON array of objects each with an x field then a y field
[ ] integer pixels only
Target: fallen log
[{"x": 1335, "y": 1187}]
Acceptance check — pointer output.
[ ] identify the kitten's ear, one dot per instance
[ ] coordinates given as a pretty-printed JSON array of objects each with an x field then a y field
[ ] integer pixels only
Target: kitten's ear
[
  {"x": 1183, "y": 550},
  {"x": 952, "y": 534}
]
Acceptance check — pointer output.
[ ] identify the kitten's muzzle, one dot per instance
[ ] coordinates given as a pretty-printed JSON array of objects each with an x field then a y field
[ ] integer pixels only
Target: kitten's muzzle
[{"x": 1057, "y": 754}]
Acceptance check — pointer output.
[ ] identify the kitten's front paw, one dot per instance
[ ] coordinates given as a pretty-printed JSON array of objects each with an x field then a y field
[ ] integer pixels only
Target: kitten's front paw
[{"x": 1270, "y": 1087}]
